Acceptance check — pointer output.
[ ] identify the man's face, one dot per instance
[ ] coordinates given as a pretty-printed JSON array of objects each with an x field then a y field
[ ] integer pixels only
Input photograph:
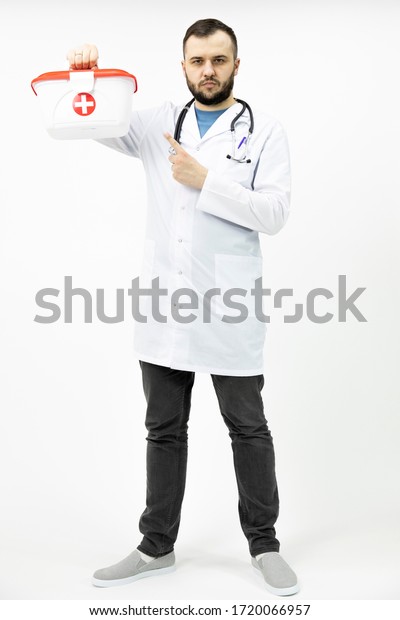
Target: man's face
[{"x": 209, "y": 67}]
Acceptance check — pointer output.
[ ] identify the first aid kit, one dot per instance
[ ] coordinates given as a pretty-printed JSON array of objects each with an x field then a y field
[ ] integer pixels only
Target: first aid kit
[{"x": 85, "y": 104}]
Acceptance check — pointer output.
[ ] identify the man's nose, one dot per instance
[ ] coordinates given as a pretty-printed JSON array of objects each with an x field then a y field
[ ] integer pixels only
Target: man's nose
[{"x": 208, "y": 68}]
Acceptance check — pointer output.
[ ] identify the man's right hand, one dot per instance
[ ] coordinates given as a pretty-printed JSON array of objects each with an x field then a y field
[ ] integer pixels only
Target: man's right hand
[{"x": 83, "y": 57}]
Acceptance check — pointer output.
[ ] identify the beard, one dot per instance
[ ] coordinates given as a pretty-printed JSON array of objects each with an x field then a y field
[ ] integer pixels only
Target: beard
[{"x": 214, "y": 98}]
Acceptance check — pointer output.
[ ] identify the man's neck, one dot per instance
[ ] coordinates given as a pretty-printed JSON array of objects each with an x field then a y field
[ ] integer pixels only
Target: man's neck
[{"x": 219, "y": 106}]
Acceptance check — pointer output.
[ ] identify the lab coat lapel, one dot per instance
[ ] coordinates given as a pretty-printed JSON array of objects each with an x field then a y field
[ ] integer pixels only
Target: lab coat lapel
[{"x": 190, "y": 130}]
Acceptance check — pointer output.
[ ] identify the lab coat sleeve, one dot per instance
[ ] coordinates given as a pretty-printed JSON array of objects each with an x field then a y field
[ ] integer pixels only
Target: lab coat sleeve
[
  {"x": 265, "y": 206},
  {"x": 130, "y": 143}
]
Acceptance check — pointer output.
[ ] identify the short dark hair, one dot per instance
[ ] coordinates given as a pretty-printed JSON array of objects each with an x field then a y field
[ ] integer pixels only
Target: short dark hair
[{"x": 206, "y": 27}]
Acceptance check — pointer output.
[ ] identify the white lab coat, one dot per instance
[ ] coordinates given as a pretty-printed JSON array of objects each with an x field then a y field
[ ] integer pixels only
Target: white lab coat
[{"x": 207, "y": 239}]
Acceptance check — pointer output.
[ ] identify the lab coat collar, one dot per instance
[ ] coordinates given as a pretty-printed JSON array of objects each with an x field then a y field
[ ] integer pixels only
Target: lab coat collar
[{"x": 190, "y": 128}]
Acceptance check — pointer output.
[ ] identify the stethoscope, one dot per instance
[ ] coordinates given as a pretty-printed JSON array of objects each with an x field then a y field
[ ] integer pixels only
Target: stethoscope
[{"x": 244, "y": 141}]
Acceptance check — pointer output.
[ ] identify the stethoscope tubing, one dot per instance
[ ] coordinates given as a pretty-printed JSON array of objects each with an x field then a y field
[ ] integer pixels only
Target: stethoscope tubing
[{"x": 245, "y": 106}]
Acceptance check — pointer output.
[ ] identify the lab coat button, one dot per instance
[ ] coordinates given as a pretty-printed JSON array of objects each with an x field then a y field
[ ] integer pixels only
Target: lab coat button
[
  {"x": 180, "y": 272},
  {"x": 180, "y": 240}
]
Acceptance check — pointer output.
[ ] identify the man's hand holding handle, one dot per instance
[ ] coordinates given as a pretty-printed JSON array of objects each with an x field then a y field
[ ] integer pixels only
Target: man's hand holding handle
[{"x": 83, "y": 57}]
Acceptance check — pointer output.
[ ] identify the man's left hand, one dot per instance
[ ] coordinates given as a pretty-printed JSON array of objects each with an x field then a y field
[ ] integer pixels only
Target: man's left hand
[{"x": 185, "y": 168}]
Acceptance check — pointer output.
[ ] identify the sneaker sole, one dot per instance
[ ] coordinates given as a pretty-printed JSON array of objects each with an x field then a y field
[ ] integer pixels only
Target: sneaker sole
[
  {"x": 278, "y": 591},
  {"x": 108, "y": 583}
]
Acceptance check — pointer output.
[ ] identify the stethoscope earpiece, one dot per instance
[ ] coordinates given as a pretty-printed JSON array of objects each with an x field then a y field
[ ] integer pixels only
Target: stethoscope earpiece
[{"x": 241, "y": 161}]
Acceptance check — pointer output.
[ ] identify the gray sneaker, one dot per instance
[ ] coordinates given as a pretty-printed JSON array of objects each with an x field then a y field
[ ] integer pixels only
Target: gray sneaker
[
  {"x": 133, "y": 568},
  {"x": 278, "y": 576}
]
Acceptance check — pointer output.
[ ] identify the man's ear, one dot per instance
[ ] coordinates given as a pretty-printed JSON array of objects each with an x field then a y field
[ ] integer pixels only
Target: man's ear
[
  {"x": 236, "y": 64},
  {"x": 183, "y": 67}
]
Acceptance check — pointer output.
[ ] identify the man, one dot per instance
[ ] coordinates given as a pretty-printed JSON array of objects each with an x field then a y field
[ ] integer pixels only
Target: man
[{"x": 211, "y": 191}]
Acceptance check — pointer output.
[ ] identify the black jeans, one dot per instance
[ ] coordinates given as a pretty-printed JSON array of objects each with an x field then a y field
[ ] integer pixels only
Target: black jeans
[{"x": 168, "y": 396}]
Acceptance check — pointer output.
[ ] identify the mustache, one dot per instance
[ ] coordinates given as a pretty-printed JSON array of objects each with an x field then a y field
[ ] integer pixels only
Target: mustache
[{"x": 208, "y": 80}]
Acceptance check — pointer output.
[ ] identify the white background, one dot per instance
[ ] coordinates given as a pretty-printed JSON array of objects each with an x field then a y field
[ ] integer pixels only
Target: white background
[{"x": 72, "y": 438}]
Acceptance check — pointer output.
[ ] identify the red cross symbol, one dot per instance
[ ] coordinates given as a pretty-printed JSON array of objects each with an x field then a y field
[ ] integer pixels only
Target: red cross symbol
[{"x": 84, "y": 104}]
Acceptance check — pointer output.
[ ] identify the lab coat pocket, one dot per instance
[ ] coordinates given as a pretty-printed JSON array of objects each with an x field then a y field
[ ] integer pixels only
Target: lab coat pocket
[
  {"x": 147, "y": 263},
  {"x": 235, "y": 171},
  {"x": 234, "y": 272},
  {"x": 146, "y": 274}
]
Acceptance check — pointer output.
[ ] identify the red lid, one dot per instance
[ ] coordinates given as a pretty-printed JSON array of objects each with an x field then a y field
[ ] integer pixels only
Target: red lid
[{"x": 98, "y": 73}]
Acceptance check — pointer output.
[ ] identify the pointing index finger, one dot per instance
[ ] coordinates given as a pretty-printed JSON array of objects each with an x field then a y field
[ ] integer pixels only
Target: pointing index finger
[{"x": 172, "y": 142}]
